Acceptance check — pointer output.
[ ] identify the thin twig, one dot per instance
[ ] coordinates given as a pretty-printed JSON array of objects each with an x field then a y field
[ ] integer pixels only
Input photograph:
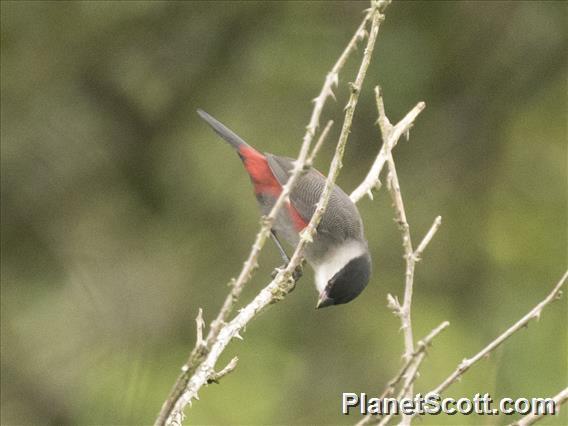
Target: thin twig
[
  {"x": 422, "y": 345},
  {"x": 390, "y": 135},
  {"x": 200, "y": 324},
  {"x": 394, "y": 133},
  {"x": 319, "y": 143},
  {"x": 282, "y": 284},
  {"x": 427, "y": 238},
  {"x": 215, "y": 377},
  {"x": 409, "y": 378},
  {"x": 393, "y": 186},
  {"x": 523, "y": 322},
  {"x": 529, "y": 419}
]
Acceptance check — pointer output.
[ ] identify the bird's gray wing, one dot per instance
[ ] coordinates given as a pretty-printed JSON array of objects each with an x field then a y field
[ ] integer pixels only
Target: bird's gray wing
[{"x": 341, "y": 220}]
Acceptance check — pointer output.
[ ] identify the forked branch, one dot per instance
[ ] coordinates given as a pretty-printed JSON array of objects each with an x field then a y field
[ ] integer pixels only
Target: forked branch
[
  {"x": 533, "y": 314},
  {"x": 413, "y": 362},
  {"x": 390, "y": 135}
]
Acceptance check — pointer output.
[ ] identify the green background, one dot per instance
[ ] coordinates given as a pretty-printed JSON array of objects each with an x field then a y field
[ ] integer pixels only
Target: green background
[{"x": 122, "y": 213}]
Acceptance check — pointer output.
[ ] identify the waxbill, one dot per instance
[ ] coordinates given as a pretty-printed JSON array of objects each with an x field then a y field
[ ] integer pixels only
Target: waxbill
[{"x": 339, "y": 253}]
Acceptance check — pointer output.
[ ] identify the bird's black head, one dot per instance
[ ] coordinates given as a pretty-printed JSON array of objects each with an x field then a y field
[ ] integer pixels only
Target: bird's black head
[{"x": 348, "y": 283}]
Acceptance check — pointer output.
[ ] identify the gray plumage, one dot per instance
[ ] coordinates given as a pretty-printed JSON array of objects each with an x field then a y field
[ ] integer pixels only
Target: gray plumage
[
  {"x": 341, "y": 220},
  {"x": 339, "y": 253}
]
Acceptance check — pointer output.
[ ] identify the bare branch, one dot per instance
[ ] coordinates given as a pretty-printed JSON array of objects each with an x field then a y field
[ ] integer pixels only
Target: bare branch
[
  {"x": 532, "y": 314},
  {"x": 215, "y": 377},
  {"x": 282, "y": 284},
  {"x": 559, "y": 399},
  {"x": 390, "y": 135},
  {"x": 394, "y": 305},
  {"x": 413, "y": 360},
  {"x": 422, "y": 345},
  {"x": 390, "y": 139},
  {"x": 393, "y": 186},
  {"x": 319, "y": 143},
  {"x": 427, "y": 238},
  {"x": 200, "y": 324},
  {"x": 332, "y": 78},
  {"x": 412, "y": 373}
]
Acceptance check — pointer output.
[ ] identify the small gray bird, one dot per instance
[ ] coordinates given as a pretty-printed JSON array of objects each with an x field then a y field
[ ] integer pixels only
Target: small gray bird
[{"x": 339, "y": 254}]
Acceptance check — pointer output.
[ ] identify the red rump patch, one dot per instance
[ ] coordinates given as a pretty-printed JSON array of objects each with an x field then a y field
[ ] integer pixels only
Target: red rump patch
[
  {"x": 264, "y": 181},
  {"x": 257, "y": 167}
]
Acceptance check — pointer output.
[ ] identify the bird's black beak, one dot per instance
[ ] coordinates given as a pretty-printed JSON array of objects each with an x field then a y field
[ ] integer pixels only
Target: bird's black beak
[{"x": 324, "y": 301}]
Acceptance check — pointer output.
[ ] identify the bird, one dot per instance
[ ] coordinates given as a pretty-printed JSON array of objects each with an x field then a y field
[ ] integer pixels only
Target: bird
[{"x": 339, "y": 253}]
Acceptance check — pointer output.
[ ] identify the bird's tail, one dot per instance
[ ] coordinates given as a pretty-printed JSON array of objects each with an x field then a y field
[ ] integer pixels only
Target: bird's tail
[
  {"x": 255, "y": 162},
  {"x": 231, "y": 137}
]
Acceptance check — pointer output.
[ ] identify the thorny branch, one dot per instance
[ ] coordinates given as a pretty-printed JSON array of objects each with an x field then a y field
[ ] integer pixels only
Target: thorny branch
[
  {"x": 414, "y": 361},
  {"x": 371, "y": 181},
  {"x": 529, "y": 419},
  {"x": 409, "y": 371},
  {"x": 494, "y": 344},
  {"x": 390, "y": 135},
  {"x": 199, "y": 369},
  {"x": 422, "y": 346},
  {"x": 410, "y": 376},
  {"x": 215, "y": 377},
  {"x": 410, "y": 368}
]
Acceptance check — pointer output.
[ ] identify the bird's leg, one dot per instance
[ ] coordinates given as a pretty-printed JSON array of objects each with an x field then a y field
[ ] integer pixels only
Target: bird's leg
[
  {"x": 298, "y": 271},
  {"x": 283, "y": 254}
]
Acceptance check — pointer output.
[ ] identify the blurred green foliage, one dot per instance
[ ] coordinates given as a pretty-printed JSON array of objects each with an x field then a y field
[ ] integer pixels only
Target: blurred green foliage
[{"x": 122, "y": 213}]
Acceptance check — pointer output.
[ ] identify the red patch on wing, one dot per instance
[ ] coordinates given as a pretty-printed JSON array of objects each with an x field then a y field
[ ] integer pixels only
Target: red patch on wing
[
  {"x": 265, "y": 183},
  {"x": 257, "y": 167},
  {"x": 299, "y": 222}
]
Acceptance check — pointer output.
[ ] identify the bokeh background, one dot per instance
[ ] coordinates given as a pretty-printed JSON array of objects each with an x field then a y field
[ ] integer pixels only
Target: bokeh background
[{"x": 122, "y": 213}]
